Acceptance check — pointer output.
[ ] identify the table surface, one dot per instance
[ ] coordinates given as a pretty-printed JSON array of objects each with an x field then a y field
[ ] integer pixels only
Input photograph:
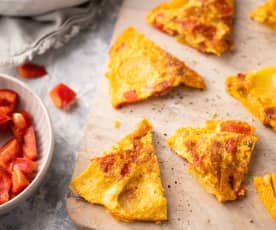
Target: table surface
[{"x": 79, "y": 64}]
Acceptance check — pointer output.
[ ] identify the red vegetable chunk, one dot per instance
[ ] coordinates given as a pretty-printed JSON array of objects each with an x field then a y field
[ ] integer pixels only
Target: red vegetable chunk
[
  {"x": 20, "y": 123},
  {"x": 25, "y": 165},
  {"x": 9, "y": 152},
  {"x": 62, "y": 96},
  {"x": 29, "y": 144},
  {"x": 5, "y": 185},
  {"x": 19, "y": 182},
  {"x": 8, "y": 100},
  {"x": 236, "y": 128},
  {"x": 30, "y": 70}
]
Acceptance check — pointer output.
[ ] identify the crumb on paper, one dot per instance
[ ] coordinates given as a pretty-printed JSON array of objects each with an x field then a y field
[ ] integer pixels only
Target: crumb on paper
[
  {"x": 214, "y": 114},
  {"x": 117, "y": 124}
]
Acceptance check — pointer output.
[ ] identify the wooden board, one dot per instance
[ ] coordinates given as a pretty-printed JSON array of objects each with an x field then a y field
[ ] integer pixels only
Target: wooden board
[{"x": 188, "y": 205}]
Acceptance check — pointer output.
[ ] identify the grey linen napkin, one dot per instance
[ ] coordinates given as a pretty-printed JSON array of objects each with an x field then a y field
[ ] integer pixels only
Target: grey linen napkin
[{"x": 24, "y": 37}]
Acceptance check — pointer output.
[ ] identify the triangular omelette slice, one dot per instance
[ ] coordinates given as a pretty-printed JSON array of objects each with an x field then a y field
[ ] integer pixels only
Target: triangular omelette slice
[
  {"x": 126, "y": 179},
  {"x": 218, "y": 155},
  {"x": 204, "y": 25},
  {"x": 256, "y": 90},
  {"x": 266, "y": 188},
  {"x": 266, "y": 14},
  {"x": 139, "y": 69}
]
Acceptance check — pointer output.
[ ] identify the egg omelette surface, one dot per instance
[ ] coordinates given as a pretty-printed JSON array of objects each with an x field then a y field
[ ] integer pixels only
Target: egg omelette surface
[
  {"x": 266, "y": 13},
  {"x": 126, "y": 179},
  {"x": 265, "y": 187},
  {"x": 139, "y": 69},
  {"x": 204, "y": 25},
  {"x": 218, "y": 155},
  {"x": 256, "y": 90}
]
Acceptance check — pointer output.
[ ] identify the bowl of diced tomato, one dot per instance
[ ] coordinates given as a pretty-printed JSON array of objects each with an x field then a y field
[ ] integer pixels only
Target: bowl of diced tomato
[{"x": 26, "y": 142}]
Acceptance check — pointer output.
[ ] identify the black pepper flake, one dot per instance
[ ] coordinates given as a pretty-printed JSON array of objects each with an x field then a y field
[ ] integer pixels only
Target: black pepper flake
[
  {"x": 165, "y": 134},
  {"x": 251, "y": 221},
  {"x": 175, "y": 182},
  {"x": 169, "y": 186}
]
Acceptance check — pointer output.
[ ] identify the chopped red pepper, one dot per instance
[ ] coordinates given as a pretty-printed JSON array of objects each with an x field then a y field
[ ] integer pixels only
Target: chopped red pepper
[
  {"x": 25, "y": 165},
  {"x": 106, "y": 162},
  {"x": 9, "y": 152},
  {"x": 30, "y": 70},
  {"x": 231, "y": 145},
  {"x": 29, "y": 144},
  {"x": 19, "y": 182},
  {"x": 5, "y": 185},
  {"x": 8, "y": 100},
  {"x": 20, "y": 124},
  {"x": 62, "y": 96},
  {"x": 236, "y": 128}
]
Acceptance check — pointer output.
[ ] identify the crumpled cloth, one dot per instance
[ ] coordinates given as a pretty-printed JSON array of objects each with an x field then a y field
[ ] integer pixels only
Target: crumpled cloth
[{"x": 24, "y": 37}]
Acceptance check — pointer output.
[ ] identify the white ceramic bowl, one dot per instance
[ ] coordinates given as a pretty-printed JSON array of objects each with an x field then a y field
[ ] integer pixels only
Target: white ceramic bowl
[{"x": 44, "y": 132}]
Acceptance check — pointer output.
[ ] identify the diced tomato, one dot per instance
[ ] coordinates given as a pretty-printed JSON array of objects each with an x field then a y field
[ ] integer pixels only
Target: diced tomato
[
  {"x": 29, "y": 144},
  {"x": 131, "y": 96},
  {"x": 19, "y": 182},
  {"x": 20, "y": 124},
  {"x": 62, "y": 96},
  {"x": 236, "y": 127},
  {"x": 9, "y": 152},
  {"x": 25, "y": 165},
  {"x": 5, "y": 185},
  {"x": 8, "y": 100},
  {"x": 106, "y": 162},
  {"x": 231, "y": 145},
  {"x": 30, "y": 70}
]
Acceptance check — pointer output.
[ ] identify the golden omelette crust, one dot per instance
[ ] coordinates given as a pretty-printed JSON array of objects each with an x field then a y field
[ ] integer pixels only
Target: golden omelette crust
[
  {"x": 266, "y": 188},
  {"x": 218, "y": 155},
  {"x": 256, "y": 90},
  {"x": 139, "y": 69},
  {"x": 266, "y": 14},
  {"x": 203, "y": 25},
  {"x": 126, "y": 179}
]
